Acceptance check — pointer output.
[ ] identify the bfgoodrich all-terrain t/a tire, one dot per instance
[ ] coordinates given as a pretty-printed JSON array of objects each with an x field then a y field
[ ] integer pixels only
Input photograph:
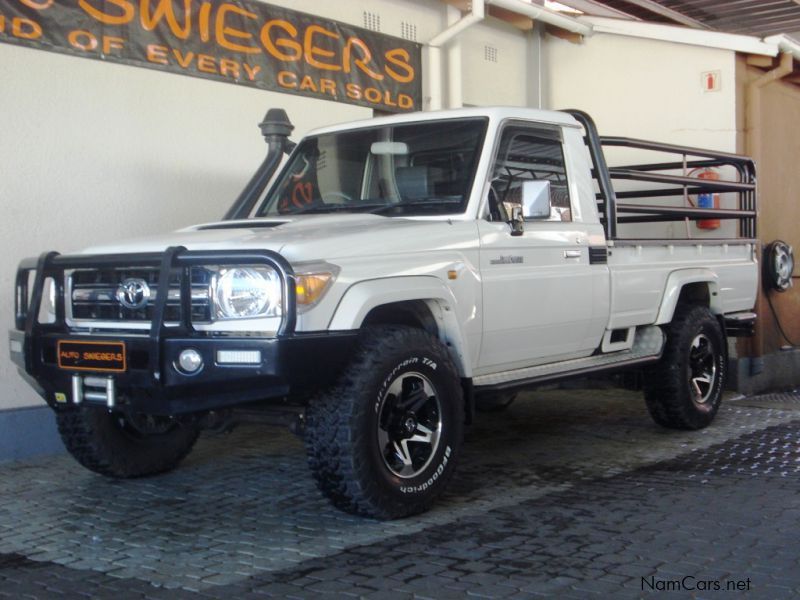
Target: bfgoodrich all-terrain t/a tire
[
  {"x": 383, "y": 441},
  {"x": 114, "y": 445},
  {"x": 684, "y": 389}
]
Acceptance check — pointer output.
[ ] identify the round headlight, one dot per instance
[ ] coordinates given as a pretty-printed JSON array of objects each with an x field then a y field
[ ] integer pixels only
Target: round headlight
[{"x": 247, "y": 292}]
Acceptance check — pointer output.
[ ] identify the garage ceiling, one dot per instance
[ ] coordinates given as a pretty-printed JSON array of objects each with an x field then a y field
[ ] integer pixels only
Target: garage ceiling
[{"x": 752, "y": 17}]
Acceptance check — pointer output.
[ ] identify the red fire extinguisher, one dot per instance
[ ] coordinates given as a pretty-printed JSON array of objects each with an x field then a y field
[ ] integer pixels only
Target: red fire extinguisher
[{"x": 708, "y": 200}]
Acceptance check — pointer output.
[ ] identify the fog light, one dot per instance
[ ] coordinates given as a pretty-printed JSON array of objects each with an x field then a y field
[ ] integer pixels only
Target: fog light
[
  {"x": 239, "y": 357},
  {"x": 190, "y": 361}
]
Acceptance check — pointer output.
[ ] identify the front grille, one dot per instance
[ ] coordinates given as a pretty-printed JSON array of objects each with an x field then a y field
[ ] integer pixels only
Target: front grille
[{"x": 94, "y": 295}]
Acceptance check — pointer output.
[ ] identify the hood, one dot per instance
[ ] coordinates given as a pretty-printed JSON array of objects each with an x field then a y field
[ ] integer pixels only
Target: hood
[{"x": 300, "y": 238}]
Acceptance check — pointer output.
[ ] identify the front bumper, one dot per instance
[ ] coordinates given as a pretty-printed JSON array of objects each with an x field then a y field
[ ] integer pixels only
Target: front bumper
[
  {"x": 151, "y": 381},
  {"x": 289, "y": 365}
]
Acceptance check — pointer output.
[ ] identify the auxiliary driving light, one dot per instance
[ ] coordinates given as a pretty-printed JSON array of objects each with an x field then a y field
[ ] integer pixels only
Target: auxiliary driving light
[
  {"x": 239, "y": 357},
  {"x": 190, "y": 361}
]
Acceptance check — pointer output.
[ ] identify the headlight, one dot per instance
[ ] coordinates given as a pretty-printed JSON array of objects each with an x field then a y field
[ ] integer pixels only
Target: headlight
[
  {"x": 247, "y": 292},
  {"x": 312, "y": 282}
]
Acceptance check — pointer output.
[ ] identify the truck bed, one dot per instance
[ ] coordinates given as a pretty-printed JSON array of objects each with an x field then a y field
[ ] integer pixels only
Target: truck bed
[{"x": 641, "y": 271}]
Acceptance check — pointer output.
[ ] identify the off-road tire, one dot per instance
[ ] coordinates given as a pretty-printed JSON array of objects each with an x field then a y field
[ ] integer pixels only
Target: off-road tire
[
  {"x": 668, "y": 391},
  {"x": 102, "y": 442},
  {"x": 342, "y": 425},
  {"x": 495, "y": 403}
]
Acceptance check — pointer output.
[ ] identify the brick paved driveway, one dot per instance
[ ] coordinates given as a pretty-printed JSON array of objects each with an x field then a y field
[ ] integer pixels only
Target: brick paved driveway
[{"x": 571, "y": 493}]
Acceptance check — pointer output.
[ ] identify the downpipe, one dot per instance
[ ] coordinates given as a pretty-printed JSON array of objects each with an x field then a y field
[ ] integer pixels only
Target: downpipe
[
  {"x": 435, "y": 59},
  {"x": 276, "y": 129},
  {"x": 476, "y": 14}
]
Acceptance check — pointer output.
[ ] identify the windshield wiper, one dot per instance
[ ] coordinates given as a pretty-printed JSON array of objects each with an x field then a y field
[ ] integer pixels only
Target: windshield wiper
[{"x": 322, "y": 209}]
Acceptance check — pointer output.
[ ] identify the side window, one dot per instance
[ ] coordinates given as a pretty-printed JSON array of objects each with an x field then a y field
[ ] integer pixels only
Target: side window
[{"x": 530, "y": 155}]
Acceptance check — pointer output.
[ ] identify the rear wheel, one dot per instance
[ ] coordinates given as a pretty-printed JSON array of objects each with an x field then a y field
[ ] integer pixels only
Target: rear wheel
[
  {"x": 383, "y": 442},
  {"x": 124, "y": 446},
  {"x": 684, "y": 389}
]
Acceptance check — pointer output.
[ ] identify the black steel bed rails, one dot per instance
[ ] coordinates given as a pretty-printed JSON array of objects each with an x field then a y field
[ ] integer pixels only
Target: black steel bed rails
[
  {"x": 174, "y": 260},
  {"x": 614, "y": 212}
]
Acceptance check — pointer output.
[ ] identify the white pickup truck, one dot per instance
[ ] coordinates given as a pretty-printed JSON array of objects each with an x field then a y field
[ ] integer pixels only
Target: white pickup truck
[{"x": 392, "y": 275}]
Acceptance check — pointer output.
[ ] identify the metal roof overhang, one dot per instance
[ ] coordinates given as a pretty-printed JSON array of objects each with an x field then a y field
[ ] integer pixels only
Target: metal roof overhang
[
  {"x": 752, "y": 17},
  {"x": 684, "y": 35}
]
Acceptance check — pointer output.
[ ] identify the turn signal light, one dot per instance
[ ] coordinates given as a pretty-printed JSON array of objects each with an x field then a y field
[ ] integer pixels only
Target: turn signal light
[{"x": 311, "y": 287}]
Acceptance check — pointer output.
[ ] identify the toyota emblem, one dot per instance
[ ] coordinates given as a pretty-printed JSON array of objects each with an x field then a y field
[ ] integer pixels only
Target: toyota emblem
[{"x": 133, "y": 293}]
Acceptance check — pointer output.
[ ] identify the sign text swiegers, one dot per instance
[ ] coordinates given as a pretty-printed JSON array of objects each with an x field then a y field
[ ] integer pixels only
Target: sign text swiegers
[{"x": 249, "y": 43}]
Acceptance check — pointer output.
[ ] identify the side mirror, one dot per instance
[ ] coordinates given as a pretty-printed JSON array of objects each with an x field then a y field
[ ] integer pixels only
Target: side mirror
[
  {"x": 536, "y": 199},
  {"x": 535, "y": 205}
]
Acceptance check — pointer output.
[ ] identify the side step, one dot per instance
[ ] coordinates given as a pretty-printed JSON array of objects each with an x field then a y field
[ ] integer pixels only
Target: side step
[{"x": 647, "y": 347}]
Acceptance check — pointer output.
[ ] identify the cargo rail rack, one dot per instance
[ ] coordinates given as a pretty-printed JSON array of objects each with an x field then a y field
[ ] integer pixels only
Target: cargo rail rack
[{"x": 613, "y": 212}]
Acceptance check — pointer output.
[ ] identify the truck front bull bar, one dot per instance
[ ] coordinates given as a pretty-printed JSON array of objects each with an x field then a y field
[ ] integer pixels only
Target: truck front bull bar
[{"x": 174, "y": 259}]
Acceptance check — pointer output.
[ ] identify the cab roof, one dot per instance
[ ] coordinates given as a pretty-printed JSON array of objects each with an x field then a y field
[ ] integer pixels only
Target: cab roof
[{"x": 493, "y": 113}]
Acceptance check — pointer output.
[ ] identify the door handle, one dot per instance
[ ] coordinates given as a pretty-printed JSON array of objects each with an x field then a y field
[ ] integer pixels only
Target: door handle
[{"x": 572, "y": 253}]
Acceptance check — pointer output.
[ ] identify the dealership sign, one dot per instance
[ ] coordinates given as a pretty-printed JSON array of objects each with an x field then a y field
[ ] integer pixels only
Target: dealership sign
[{"x": 248, "y": 43}]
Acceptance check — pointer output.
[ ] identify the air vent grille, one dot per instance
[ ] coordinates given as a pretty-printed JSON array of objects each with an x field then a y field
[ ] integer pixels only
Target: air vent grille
[
  {"x": 408, "y": 31},
  {"x": 372, "y": 21}
]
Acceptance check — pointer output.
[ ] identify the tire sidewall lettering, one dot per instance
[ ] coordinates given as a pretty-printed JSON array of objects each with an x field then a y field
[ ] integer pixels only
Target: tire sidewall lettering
[
  {"x": 432, "y": 479},
  {"x": 416, "y": 361}
]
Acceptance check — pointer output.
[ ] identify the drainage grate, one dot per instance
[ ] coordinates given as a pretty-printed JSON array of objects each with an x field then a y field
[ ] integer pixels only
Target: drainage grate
[
  {"x": 789, "y": 401},
  {"x": 770, "y": 452}
]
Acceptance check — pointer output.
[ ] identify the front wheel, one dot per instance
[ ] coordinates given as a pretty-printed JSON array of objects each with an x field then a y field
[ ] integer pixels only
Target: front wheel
[
  {"x": 124, "y": 446},
  {"x": 384, "y": 441},
  {"x": 684, "y": 389}
]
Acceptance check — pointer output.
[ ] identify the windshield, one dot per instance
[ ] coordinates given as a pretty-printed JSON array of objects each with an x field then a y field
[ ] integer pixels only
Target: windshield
[{"x": 400, "y": 170}]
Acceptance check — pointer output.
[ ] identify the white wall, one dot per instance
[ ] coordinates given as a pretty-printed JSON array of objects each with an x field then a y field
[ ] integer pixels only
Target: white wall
[
  {"x": 426, "y": 15},
  {"x": 489, "y": 82},
  {"x": 647, "y": 89}
]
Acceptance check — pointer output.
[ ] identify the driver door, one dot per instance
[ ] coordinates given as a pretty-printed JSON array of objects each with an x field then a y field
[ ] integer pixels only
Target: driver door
[{"x": 537, "y": 286}]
